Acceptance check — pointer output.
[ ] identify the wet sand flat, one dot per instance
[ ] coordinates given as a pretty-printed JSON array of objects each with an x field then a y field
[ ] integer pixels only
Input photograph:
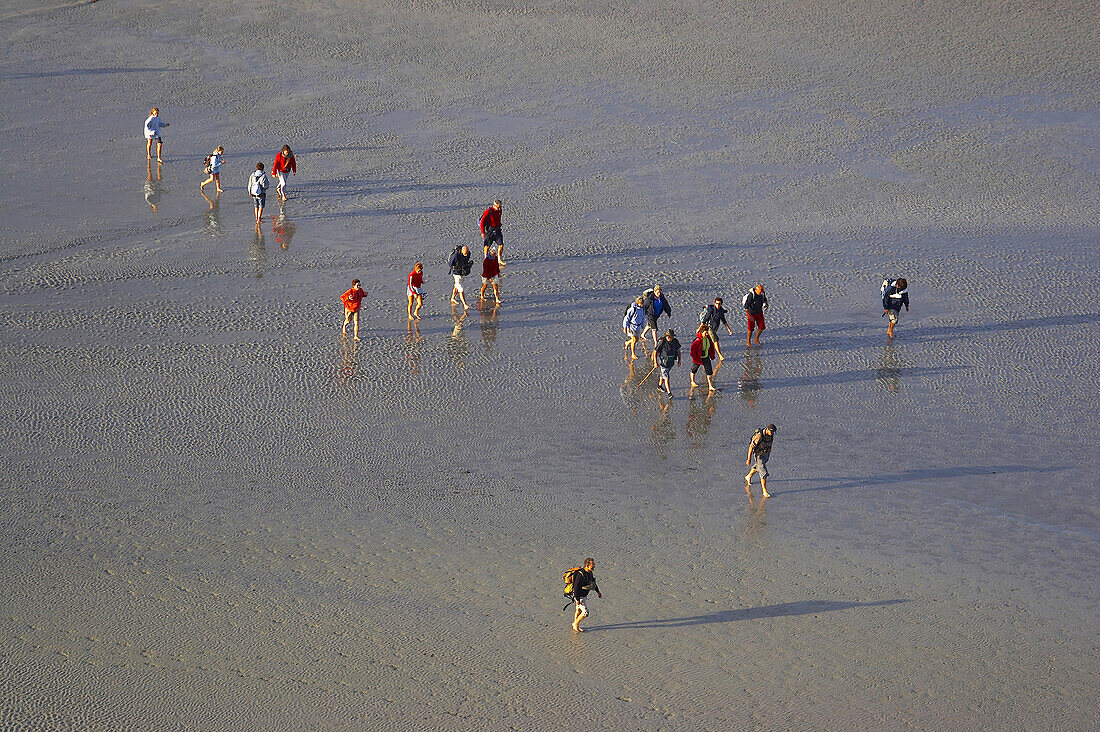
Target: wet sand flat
[{"x": 217, "y": 514}]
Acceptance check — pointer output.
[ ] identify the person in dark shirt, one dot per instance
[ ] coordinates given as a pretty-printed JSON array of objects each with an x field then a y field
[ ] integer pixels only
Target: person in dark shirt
[
  {"x": 656, "y": 304},
  {"x": 460, "y": 265},
  {"x": 583, "y": 583},
  {"x": 490, "y": 230},
  {"x": 665, "y": 356},
  {"x": 760, "y": 449},
  {"x": 715, "y": 316},
  {"x": 755, "y": 303},
  {"x": 894, "y": 295}
]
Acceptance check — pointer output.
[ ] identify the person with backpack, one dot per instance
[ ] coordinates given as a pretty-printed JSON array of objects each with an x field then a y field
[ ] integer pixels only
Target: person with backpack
[
  {"x": 760, "y": 449},
  {"x": 702, "y": 348},
  {"x": 894, "y": 295},
  {"x": 579, "y": 581},
  {"x": 755, "y": 303},
  {"x": 656, "y": 305},
  {"x": 665, "y": 356},
  {"x": 352, "y": 300},
  {"x": 283, "y": 166},
  {"x": 415, "y": 290},
  {"x": 257, "y": 188},
  {"x": 714, "y": 316},
  {"x": 213, "y": 168},
  {"x": 153, "y": 125},
  {"x": 490, "y": 230},
  {"x": 634, "y": 325},
  {"x": 460, "y": 265},
  {"x": 490, "y": 275}
]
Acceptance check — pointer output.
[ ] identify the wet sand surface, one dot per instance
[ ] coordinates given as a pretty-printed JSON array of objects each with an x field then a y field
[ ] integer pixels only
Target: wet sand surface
[{"x": 217, "y": 514}]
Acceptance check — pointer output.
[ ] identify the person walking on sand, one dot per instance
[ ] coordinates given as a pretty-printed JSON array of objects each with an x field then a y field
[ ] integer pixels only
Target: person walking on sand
[
  {"x": 490, "y": 274},
  {"x": 656, "y": 304},
  {"x": 760, "y": 449},
  {"x": 634, "y": 325},
  {"x": 460, "y": 264},
  {"x": 490, "y": 230},
  {"x": 714, "y": 316},
  {"x": 152, "y": 132},
  {"x": 582, "y": 582},
  {"x": 416, "y": 290},
  {"x": 894, "y": 295},
  {"x": 665, "y": 356},
  {"x": 214, "y": 169},
  {"x": 755, "y": 303},
  {"x": 702, "y": 348},
  {"x": 257, "y": 188},
  {"x": 352, "y": 300},
  {"x": 283, "y": 166}
]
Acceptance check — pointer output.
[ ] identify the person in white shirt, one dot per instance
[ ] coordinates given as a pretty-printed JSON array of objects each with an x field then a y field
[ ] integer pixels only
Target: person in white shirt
[
  {"x": 257, "y": 188},
  {"x": 214, "y": 169},
  {"x": 152, "y": 132}
]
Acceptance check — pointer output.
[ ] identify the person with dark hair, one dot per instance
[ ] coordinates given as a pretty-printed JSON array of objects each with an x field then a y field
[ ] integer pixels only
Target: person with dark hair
[
  {"x": 415, "y": 290},
  {"x": 257, "y": 188},
  {"x": 634, "y": 326},
  {"x": 702, "y": 348},
  {"x": 214, "y": 169},
  {"x": 894, "y": 295},
  {"x": 760, "y": 449},
  {"x": 490, "y": 230},
  {"x": 582, "y": 582},
  {"x": 490, "y": 275},
  {"x": 665, "y": 356},
  {"x": 755, "y": 303},
  {"x": 460, "y": 266},
  {"x": 352, "y": 300},
  {"x": 714, "y": 316},
  {"x": 284, "y": 165},
  {"x": 656, "y": 304}
]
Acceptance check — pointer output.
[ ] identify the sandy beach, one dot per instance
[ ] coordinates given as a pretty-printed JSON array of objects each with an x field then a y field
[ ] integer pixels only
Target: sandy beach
[{"x": 217, "y": 514}]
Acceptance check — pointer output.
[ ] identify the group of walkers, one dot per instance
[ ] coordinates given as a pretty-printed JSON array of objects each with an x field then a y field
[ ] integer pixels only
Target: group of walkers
[{"x": 258, "y": 182}]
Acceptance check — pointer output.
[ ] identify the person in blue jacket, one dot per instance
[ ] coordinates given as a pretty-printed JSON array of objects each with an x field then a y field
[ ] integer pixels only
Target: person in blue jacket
[
  {"x": 894, "y": 295},
  {"x": 656, "y": 304},
  {"x": 634, "y": 325}
]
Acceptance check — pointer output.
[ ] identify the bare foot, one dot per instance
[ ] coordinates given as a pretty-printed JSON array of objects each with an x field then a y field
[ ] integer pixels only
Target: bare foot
[
  {"x": 220, "y": 191},
  {"x": 748, "y": 481},
  {"x": 577, "y": 630},
  {"x": 498, "y": 302},
  {"x": 356, "y": 337},
  {"x": 766, "y": 495}
]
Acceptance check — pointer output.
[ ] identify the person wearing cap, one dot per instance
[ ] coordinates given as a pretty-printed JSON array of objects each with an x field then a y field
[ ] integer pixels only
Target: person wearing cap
[
  {"x": 665, "y": 356},
  {"x": 656, "y": 304},
  {"x": 415, "y": 290},
  {"x": 760, "y": 449},
  {"x": 755, "y": 303},
  {"x": 714, "y": 316}
]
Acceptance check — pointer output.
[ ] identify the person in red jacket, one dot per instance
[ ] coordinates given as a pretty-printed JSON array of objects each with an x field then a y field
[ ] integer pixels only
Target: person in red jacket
[
  {"x": 490, "y": 231},
  {"x": 702, "y": 348},
  {"x": 490, "y": 275},
  {"x": 284, "y": 164},
  {"x": 415, "y": 291},
  {"x": 352, "y": 299}
]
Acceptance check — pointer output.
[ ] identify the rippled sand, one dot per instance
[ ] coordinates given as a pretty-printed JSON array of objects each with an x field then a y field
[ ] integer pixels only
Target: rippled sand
[{"x": 219, "y": 515}]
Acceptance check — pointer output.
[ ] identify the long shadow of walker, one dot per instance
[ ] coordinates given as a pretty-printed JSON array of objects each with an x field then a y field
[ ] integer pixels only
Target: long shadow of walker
[
  {"x": 803, "y": 607},
  {"x": 912, "y": 476}
]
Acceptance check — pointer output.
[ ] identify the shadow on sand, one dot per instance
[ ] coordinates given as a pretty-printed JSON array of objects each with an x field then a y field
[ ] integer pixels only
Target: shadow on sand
[
  {"x": 912, "y": 476},
  {"x": 81, "y": 72},
  {"x": 803, "y": 607}
]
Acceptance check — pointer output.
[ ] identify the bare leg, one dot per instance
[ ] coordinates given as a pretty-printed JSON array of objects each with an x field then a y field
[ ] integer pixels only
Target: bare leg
[
  {"x": 159, "y": 146},
  {"x": 764, "y": 487},
  {"x": 462, "y": 297},
  {"x": 419, "y": 302},
  {"x": 149, "y": 148},
  {"x": 481, "y": 295},
  {"x": 410, "y": 307},
  {"x": 496, "y": 291},
  {"x": 710, "y": 383},
  {"x": 347, "y": 317},
  {"x": 355, "y": 333}
]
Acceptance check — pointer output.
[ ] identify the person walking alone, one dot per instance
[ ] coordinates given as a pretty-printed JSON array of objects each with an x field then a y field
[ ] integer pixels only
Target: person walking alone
[
  {"x": 257, "y": 188},
  {"x": 415, "y": 290},
  {"x": 760, "y": 449},
  {"x": 153, "y": 124},
  {"x": 490, "y": 230},
  {"x": 755, "y": 303},
  {"x": 581, "y": 582},
  {"x": 352, "y": 300},
  {"x": 284, "y": 165},
  {"x": 656, "y": 305},
  {"x": 894, "y": 295},
  {"x": 460, "y": 264},
  {"x": 214, "y": 169}
]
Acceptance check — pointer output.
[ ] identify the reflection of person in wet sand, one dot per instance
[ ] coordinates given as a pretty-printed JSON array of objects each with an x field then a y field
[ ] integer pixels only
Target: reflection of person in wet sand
[
  {"x": 700, "y": 412},
  {"x": 213, "y": 216},
  {"x": 749, "y": 384},
  {"x": 889, "y": 370},
  {"x": 257, "y": 252},
  {"x": 414, "y": 289},
  {"x": 152, "y": 186},
  {"x": 662, "y": 431},
  {"x": 283, "y": 229},
  {"x": 458, "y": 345},
  {"x": 760, "y": 449},
  {"x": 489, "y": 326},
  {"x": 412, "y": 346}
]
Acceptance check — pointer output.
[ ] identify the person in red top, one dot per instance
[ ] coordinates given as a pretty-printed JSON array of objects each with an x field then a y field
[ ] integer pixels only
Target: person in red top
[
  {"x": 352, "y": 299},
  {"x": 702, "y": 348},
  {"x": 490, "y": 231},
  {"x": 284, "y": 164},
  {"x": 490, "y": 274},
  {"x": 415, "y": 291}
]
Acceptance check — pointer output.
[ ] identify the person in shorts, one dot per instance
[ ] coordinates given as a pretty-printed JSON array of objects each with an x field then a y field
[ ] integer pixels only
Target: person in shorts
[
  {"x": 257, "y": 188},
  {"x": 634, "y": 326},
  {"x": 584, "y": 581},
  {"x": 352, "y": 300},
  {"x": 214, "y": 169},
  {"x": 714, "y": 316},
  {"x": 656, "y": 304},
  {"x": 702, "y": 350},
  {"x": 760, "y": 449},
  {"x": 460, "y": 266},
  {"x": 490, "y": 274},
  {"x": 490, "y": 231},
  {"x": 152, "y": 132},
  {"x": 415, "y": 290},
  {"x": 755, "y": 303},
  {"x": 665, "y": 357}
]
